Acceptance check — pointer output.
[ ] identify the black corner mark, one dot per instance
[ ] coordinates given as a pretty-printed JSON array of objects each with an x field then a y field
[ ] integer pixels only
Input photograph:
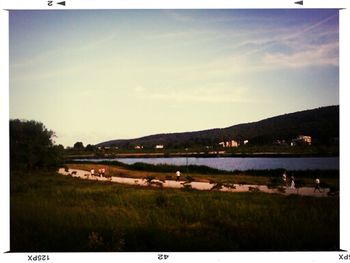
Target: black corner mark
[
  {"x": 162, "y": 256},
  {"x": 62, "y": 3},
  {"x": 299, "y": 3}
]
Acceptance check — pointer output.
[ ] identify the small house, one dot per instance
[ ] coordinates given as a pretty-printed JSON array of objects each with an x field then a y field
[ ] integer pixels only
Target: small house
[
  {"x": 301, "y": 140},
  {"x": 229, "y": 144},
  {"x": 159, "y": 146}
]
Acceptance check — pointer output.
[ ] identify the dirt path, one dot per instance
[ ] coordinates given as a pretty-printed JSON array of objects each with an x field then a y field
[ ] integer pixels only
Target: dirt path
[{"x": 306, "y": 191}]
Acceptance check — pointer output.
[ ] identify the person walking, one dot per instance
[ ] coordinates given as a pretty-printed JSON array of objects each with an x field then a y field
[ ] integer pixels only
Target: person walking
[
  {"x": 92, "y": 172},
  {"x": 317, "y": 185},
  {"x": 284, "y": 179},
  {"x": 178, "y": 174},
  {"x": 103, "y": 171},
  {"x": 292, "y": 183}
]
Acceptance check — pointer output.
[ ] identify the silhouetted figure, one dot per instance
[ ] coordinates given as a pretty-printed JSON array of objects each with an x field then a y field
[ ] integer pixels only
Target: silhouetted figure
[
  {"x": 284, "y": 179},
  {"x": 317, "y": 185},
  {"x": 292, "y": 183},
  {"x": 178, "y": 175}
]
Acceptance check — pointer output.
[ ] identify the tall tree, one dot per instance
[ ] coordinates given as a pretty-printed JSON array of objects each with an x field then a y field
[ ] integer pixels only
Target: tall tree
[
  {"x": 90, "y": 148},
  {"x": 32, "y": 146},
  {"x": 78, "y": 146}
]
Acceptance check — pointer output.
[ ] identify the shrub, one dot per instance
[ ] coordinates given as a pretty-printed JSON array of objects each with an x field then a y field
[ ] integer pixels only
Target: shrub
[
  {"x": 149, "y": 179},
  {"x": 217, "y": 186},
  {"x": 229, "y": 185},
  {"x": 189, "y": 178}
]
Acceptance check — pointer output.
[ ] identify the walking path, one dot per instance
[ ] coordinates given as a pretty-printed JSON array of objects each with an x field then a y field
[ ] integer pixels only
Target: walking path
[{"x": 306, "y": 191}]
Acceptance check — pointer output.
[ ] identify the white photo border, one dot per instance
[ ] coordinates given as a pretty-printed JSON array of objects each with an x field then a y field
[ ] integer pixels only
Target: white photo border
[{"x": 344, "y": 91}]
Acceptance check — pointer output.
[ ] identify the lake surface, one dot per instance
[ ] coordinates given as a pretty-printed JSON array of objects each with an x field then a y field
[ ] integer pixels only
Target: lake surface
[{"x": 236, "y": 163}]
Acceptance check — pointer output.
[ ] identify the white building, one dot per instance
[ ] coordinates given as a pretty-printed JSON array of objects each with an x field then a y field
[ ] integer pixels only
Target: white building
[
  {"x": 302, "y": 139},
  {"x": 229, "y": 144},
  {"x": 159, "y": 146}
]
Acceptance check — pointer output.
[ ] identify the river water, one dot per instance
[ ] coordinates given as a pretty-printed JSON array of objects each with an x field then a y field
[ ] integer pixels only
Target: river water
[{"x": 238, "y": 163}]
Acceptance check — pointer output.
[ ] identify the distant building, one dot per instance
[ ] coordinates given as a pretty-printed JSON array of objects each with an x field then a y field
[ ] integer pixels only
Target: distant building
[
  {"x": 138, "y": 147},
  {"x": 245, "y": 142},
  {"x": 159, "y": 146},
  {"x": 222, "y": 144},
  {"x": 217, "y": 152},
  {"x": 229, "y": 144},
  {"x": 301, "y": 140}
]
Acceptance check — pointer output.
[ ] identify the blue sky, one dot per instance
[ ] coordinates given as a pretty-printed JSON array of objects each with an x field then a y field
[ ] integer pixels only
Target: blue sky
[{"x": 95, "y": 75}]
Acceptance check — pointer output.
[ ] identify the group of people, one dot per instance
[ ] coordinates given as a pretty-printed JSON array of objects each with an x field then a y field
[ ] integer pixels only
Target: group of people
[
  {"x": 101, "y": 172},
  {"x": 284, "y": 180},
  {"x": 292, "y": 182}
]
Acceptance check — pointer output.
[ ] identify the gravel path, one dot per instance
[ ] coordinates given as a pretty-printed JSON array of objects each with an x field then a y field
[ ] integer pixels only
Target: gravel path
[{"x": 306, "y": 191}]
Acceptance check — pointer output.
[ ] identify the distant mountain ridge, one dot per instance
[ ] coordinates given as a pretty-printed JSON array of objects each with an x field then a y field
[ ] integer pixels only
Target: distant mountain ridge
[{"x": 322, "y": 124}]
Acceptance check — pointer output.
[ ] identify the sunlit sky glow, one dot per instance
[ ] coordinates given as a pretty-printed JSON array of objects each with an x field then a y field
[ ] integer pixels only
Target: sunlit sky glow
[{"x": 95, "y": 75}]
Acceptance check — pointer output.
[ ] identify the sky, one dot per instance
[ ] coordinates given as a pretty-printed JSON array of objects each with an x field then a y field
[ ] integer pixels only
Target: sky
[{"x": 98, "y": 75}]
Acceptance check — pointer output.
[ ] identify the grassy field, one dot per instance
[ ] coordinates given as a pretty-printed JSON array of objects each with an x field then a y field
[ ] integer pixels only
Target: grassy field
[{"x": 52, "y": 213}]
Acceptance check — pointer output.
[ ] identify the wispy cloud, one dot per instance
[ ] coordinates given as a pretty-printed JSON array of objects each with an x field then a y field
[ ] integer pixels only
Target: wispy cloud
[
  {"x": 309, "y": 45},
  {"x": 215, "y": 93},
  {"x": 309, "y": 28},
  {"x": 320, "y": 56},
  {"x": 265, "y": 48}
]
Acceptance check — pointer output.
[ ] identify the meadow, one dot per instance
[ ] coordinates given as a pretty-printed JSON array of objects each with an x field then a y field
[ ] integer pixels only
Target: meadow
[{"x": 53, "y": 213}]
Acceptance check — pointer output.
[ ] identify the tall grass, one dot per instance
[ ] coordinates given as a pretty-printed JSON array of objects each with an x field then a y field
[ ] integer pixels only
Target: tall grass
[{"x": 50, "y": 212}]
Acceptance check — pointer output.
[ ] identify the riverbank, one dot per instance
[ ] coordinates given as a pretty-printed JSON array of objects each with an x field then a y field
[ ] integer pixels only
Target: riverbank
[
  {"x": 234, "y": 188},
  {"x": 197, "y": 155}
]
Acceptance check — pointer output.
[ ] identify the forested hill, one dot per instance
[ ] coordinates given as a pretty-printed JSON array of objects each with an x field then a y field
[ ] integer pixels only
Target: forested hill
[{"x": 322, "y": 124}]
